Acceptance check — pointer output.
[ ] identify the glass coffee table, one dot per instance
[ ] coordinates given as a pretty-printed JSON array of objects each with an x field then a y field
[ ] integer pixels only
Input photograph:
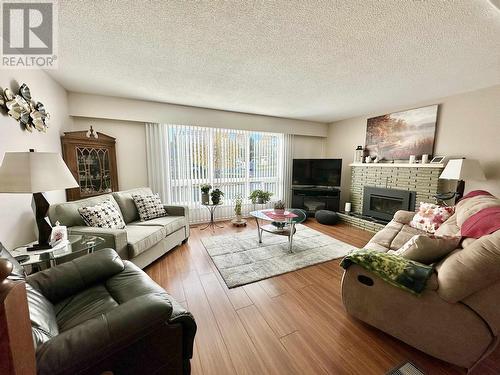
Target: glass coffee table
[
  {"x": 77, "y": 245},
  {"x": 284, "y": 226}
]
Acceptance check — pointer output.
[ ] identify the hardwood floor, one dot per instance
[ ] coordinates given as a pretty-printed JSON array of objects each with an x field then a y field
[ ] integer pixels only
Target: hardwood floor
[{"x": 289, "y": 324}]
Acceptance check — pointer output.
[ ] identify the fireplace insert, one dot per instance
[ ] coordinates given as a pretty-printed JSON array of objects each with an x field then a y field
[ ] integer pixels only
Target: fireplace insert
[{"x": 382, "y": 203}]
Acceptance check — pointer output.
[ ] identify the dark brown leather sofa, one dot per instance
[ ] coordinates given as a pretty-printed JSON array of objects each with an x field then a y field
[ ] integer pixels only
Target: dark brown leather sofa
[{"x": 98, "y": 313}]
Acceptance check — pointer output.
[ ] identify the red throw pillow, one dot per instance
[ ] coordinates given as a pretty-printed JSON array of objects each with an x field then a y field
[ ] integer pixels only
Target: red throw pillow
[{"x": 482, "y": 223}]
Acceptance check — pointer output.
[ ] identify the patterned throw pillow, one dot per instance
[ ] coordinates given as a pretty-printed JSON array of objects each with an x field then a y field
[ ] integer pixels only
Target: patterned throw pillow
[
  {"x": 149, "y": 206},
  {"x": 430, "y": 217},
  {"x": 102, "y": 215}
]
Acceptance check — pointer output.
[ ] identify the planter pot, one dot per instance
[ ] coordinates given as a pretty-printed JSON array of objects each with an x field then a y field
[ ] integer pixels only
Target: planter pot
[
  {"x": 279, "y": 211},
  {"x": 238, "y": 218},
  {"x": 260, "y": 201},
  {"x": 205, "y": 198},
  {"x": 215, "y": 201}
]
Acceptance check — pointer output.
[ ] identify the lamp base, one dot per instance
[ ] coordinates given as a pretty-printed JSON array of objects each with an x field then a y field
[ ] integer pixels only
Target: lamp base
[{"x": 40, "y": 207}]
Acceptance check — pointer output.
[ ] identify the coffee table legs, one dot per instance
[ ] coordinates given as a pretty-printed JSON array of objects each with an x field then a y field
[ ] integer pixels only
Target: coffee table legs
[
  {"x": 259, "y": 231},
  {"x": 290, "y": 237}
]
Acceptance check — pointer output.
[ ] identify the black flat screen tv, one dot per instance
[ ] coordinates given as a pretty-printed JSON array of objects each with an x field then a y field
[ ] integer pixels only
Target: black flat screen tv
[{"x": 317, "y": 172}]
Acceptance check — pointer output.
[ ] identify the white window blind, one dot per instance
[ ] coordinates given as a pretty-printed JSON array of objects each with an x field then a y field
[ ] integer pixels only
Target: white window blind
[{"x": 235, "y": 161}]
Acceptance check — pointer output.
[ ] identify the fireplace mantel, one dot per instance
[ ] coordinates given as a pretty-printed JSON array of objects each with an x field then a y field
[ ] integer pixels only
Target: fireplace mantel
[{"x": 398, "y": 165}]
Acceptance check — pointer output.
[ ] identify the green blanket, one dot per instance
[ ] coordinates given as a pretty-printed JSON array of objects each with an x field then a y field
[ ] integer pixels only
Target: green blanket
[{"x": 398, "y": 271}]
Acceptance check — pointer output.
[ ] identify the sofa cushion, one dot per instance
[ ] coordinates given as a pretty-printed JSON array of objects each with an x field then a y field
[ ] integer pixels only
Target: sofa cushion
[
  {"x": 43, "y": 318},
  {"x": 126, "y": 202},
  {"x": 169, "y": 223},
  {"x": 404, "y": 236},
  {"x": 149, "y": 206},
  {"x": 102, "y": 215},
  {"x": 469, "y": 270},
  {"x": 131, "y": 283},
  {"x": 384, "y": 237},
  {"x": 140, "y": 238},
  {"x": 427, "y": 249},
  {"x": 429, "y": 217},
  {"x": 83, "y": 306},
  {"x": 67, "y": 213}
]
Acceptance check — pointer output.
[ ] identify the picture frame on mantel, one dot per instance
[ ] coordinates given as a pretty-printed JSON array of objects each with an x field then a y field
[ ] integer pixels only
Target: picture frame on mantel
[
  {"x": 91, "y": 158},
  {"x": 398, "y": 135}
]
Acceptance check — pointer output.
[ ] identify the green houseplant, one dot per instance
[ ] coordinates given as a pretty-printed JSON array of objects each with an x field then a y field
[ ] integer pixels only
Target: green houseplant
[
  {"x": 237, "y": 207},
  {"x": 260, "y": 196},
  {"x": 279, "y": 207},
  {"x": 205, "y": 189},
  {"x": 216, "y": 196}
]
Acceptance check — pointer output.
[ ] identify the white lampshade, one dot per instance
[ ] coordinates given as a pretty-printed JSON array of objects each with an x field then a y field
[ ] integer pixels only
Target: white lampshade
[
  {"x": 463, "y": 169},
  {"x": 34, "y": 172}
]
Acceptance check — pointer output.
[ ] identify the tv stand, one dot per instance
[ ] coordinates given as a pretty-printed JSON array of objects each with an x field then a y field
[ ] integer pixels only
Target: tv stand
[{"x": 312, "y": 198}]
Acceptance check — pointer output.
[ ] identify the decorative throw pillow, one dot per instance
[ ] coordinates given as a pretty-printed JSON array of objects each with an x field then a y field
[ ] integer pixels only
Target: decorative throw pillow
[
  {"x": 427, "y": 249},
  {"x": 430, "y": 216},
  {"x": 102, "y": 215},
  {"x": 149, "y": 206}
]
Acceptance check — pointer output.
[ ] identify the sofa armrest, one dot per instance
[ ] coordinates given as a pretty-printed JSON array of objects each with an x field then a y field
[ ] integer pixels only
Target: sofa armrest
[
  {"x": 177, "y": 210},
  {"x": 183, "y": 317},
  {"x": 403, "y": 217},
  {"x": 113, "y": 238},
  {"x": 96, "y": 339},
  {"x": 72, "y": 277}
]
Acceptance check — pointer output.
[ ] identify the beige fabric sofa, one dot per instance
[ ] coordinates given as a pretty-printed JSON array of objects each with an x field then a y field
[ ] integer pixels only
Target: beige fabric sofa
[
  {"x": 140, "y": 242},
  {"x": 456, "y": 318}
]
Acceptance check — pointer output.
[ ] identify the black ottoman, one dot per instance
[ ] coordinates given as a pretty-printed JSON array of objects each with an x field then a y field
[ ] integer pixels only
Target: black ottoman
[{"x": 327, "y": 217}]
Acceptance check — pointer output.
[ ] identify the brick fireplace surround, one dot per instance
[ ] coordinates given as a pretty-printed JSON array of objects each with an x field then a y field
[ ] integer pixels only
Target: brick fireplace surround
[{"x": 421, "y": 178}]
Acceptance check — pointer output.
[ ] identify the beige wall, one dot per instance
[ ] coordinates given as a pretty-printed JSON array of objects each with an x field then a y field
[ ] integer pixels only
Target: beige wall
[
  {"x": 106, "y": 107},
  {"x": 16, "y": 217},
  {"x": 130, "y": 148},
  {"x": 468, "y": 126},
  {"x": 308, "y": 147}
]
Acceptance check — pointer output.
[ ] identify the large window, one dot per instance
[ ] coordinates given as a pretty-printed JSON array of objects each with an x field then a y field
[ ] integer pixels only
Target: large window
[{"x": 235, "y": 161}]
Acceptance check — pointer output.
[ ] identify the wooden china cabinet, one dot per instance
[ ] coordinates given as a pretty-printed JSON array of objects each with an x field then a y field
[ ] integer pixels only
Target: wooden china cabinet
[{"x": 91, "y": 157}]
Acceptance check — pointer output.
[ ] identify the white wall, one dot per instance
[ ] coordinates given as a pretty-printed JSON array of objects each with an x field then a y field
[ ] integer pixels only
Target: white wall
[
  {"x": 106, "y": 107},
  {"x": 468, "y": 126},
  {"x": 130, "y": 148},
  {"x": 16, "y": 217}
]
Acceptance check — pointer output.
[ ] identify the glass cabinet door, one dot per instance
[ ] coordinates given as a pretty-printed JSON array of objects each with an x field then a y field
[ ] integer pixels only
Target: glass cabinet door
[{"x": 94, "y": 175}]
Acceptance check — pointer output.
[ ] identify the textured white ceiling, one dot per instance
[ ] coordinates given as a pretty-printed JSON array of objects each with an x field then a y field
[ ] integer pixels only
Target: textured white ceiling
[{"x": 314, "y": 60}]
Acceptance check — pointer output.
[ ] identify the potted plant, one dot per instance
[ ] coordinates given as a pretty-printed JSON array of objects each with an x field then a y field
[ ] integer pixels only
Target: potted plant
[
  {"x": 216, "y": 195},
  {"x": 237, "y": 208},
  {"x": 279, "y": 207},
  {"x": 260, "y": 196},
  {"x": 205, "y": 189}
]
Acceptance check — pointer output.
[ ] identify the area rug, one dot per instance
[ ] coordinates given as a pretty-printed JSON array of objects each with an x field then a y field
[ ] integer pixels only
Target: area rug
[{"x": 242, "y": 260}]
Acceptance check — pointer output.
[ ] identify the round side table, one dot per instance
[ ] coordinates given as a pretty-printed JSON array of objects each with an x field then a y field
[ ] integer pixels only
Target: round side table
[{"x": 212, "y": 224}]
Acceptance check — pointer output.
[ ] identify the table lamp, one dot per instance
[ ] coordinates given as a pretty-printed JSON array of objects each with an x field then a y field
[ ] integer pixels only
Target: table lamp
[
  {"x": 461, "y": 170},
  {"x": 36, "y": 173}
]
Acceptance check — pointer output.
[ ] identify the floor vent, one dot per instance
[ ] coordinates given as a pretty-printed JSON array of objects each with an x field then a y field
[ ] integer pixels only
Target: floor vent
[{"x": 406, "y": 368}]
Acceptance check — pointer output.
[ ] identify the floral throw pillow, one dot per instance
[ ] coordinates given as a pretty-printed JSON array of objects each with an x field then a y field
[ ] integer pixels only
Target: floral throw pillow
[
  {"x": 430, "y": 217},
  {"x": 149, "y": 206},
  {"x": 102, "y": 215}
]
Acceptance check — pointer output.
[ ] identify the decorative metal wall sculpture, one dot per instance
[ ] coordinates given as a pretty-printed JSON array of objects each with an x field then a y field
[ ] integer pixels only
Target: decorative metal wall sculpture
[{"x": 22, "y": 108}]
